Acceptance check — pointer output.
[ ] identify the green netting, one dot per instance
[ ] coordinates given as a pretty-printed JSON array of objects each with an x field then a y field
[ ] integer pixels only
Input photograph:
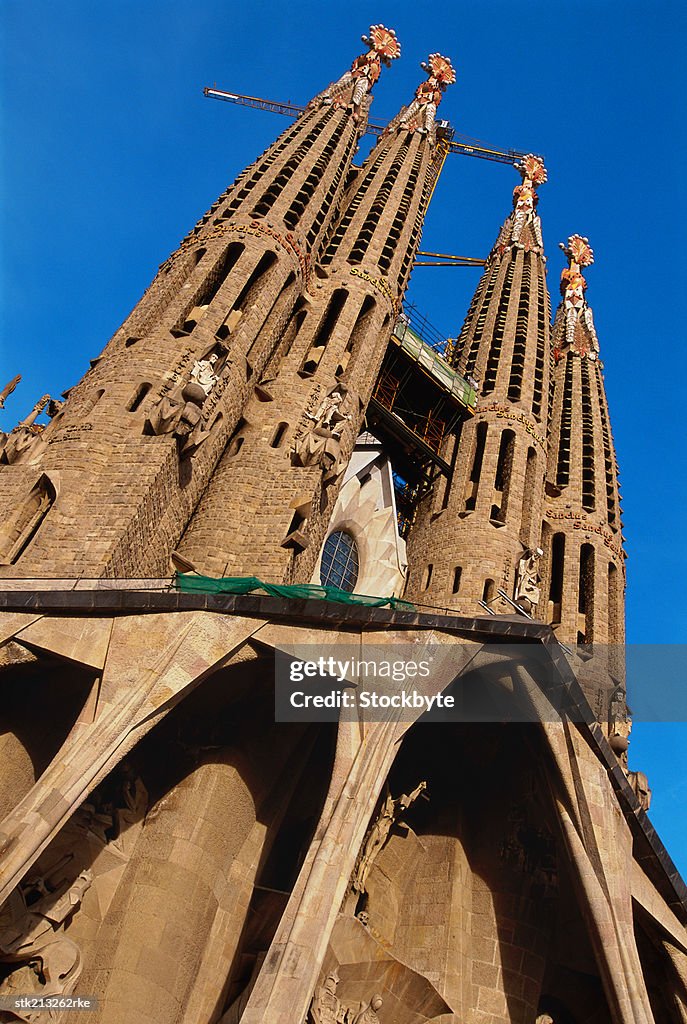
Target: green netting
[{"x": 192, "y": 583}]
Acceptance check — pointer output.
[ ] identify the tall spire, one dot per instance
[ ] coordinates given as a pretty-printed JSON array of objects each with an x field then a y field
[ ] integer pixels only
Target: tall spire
[
  {"x": 583, "y": 564},
  {"x": 382, "y": 48},
  {"x": 321, "y": 381},
  {"x": 170, "y": 387},
  {"x": 479, "y": 532}
]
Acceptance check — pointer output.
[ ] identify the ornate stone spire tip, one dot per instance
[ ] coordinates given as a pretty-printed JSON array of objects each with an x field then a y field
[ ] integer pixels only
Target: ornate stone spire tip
[
  {"x": 525, "y": 200},
  {"x": 532, "y": 169},
  {"x": 384, "y": 43},
  {"x": 578, "y": 250},
  {"x": 576, "y": 312},
  {"x": 440, "y": 69},
  {"x": 420, "y": 115}
]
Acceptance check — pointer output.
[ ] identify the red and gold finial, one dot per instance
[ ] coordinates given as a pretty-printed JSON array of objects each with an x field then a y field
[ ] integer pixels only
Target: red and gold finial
[
  {"x": 577, "y": 313},
  {"x": 384, "y": 42},
  {"x": 419, "y": 116},
  {"x": 525, "y": 200}
]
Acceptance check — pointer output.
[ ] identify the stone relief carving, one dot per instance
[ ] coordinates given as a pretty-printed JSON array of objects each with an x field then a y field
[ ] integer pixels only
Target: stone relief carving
[
  {"x": 32, "y": 936},
  {"x": 184, "y": 410},
  {"x": 377, "y": 836},
  {"x": 368, "y": 1014},
  {"x": 421, "y": 113},
  {"x": 383, "y": 47},
  {"x": 318, "y": 441},
  {"x": 44, "y": 960},
  {"x": 528, "y": 580},
  {"x": 327, "y": 1008},
  {"x": 525, "y": 198}
]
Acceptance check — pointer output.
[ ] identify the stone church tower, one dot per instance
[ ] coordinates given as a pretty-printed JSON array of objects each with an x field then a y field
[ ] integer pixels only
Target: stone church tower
[
  {"x": 472, "y": 533},
  {"x": 584, "y": 567},
  {"x": 179, "y": 842}
]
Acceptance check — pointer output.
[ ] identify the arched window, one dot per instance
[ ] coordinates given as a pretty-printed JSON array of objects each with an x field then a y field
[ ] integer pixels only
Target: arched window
[
  {"x": 278, "y": 436},
  {"x": 18, "y": 532},
  {"x": 340, "y": 561},
  {"x": 138, "y": 396}
]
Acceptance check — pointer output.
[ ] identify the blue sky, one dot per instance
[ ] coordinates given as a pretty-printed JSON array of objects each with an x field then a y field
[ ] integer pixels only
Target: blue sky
[{"x": 112, "y": 153}]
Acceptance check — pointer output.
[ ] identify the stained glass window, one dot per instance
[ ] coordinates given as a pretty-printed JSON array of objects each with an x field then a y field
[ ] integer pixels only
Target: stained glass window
[{"x": 340, "y": 562}]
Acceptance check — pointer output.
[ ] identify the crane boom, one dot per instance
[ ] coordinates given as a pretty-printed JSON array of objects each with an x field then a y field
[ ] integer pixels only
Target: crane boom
[{"x": 469, "y": 147}]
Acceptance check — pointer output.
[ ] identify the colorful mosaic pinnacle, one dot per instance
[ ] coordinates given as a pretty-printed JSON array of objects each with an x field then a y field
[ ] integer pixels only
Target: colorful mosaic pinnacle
[
  {"x": 573, "y": 286},
  {"x": 384, "y": 42},
  {"x": 383, "y": 47},
  {"x": 422, "y": 111},
  {"x": 525, "y": 199}
]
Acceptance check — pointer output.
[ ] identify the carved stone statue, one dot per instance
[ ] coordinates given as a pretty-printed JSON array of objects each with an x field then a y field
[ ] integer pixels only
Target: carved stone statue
[
  {"x": 525, "y": 198},
  {"x": 203, "y": 373},
  {"x": 383, "y": 47},
  {"x": 544, "y": 1018},
  {"x": 619, "y": 724},
  {"x": 378, "y": 835},
  {"x": 326, "y": 1006},
  {"x": 49, "y": 963},
  {"x": 321, "y": 443},
  {"x": 640, "y": 785},
  {"x": 422, "y": 111},
  {"x": 573, "y": 286},
  {"x": 181, "y": 412},
  {"x": 8, "y": 389},
  {"x": 368, "y": 1014},
  {"x": 24, "y": 436},
  {"x": 528, "y": 580}
]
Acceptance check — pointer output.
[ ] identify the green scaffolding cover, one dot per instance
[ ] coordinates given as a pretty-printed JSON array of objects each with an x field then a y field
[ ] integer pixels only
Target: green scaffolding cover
[{"x": 192, "y": 583}]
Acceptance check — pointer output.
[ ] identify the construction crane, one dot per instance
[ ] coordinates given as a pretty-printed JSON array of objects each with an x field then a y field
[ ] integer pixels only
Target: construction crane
[
  {"x": 463, "y": 146},
  {"x": 444, "y": 259}
]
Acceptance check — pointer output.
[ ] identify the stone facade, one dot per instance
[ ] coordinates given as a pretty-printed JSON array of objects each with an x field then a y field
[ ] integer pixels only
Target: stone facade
[{"x": 167, "y": 844}]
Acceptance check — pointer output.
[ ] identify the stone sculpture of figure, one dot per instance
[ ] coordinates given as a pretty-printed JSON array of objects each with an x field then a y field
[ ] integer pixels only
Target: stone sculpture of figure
[
  {"x": 525, "y": 197},
  {"x": 573, "y": 287},
  {"x": 383, "y": 47},
  {"x": 8, "y": 389},
  {"x": 619, "y": 724},
  {"x": 528, "y": 580},
  {"x": 389, "y": 814},
  {"x": 326, "y": 1005},
  {"x": 368, "y": 1014},
  {"x": 23, "y": 437},
  {"x": 130, "y": 817},
  {"x": 203, "y": 373},
  {"x": 321, "y": 444},
  {"x": 48, "y": 962},
  {"x": 545, "y": 1018},
  {"x": 640, "y": 785},
  {"x": 428, "y": 94},
  {"x": 165, "y": 415}
]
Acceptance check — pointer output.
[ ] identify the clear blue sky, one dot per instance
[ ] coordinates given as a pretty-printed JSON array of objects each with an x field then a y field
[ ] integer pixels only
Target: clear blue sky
[{"x": 112, "y": 153}]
